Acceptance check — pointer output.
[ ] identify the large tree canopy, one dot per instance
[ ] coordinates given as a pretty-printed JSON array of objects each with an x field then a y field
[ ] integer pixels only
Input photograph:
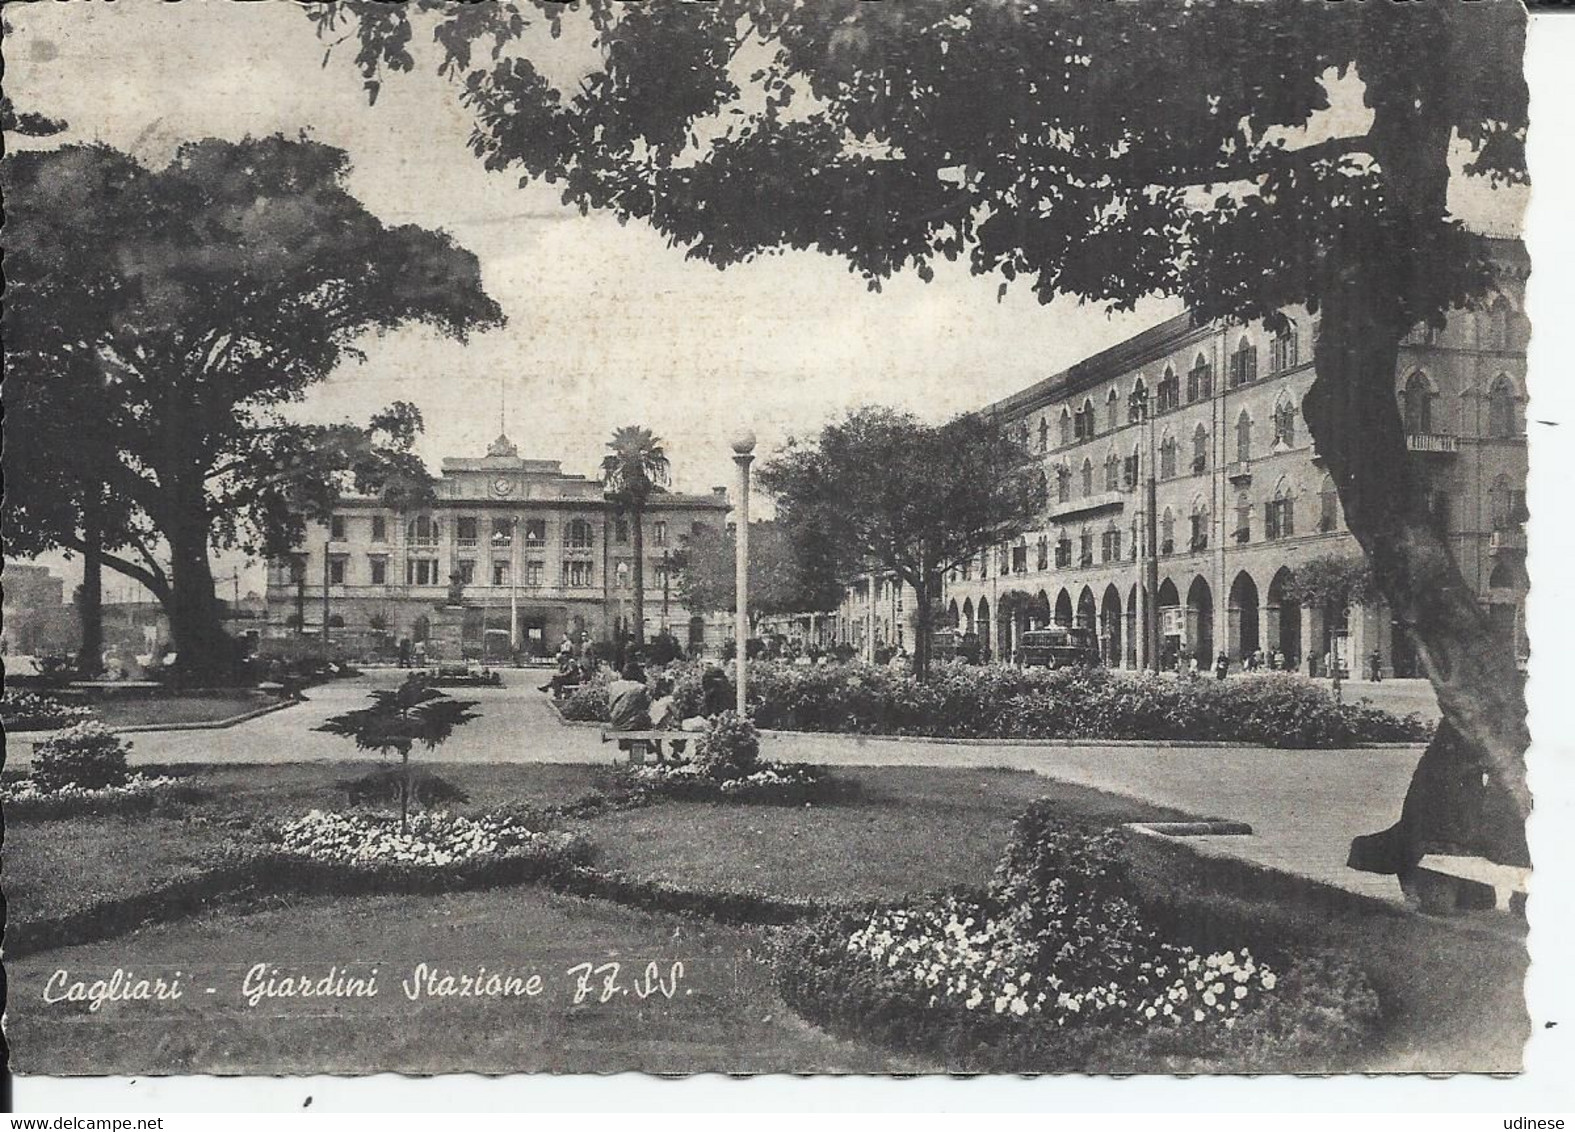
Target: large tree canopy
[
  {"x": 784, "y": 576},
  {"x": 158, "y": 324},
  {"x": 1098, "y": 150}
]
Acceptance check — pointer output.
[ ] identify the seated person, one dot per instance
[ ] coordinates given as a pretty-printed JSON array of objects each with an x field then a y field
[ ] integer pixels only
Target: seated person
[
  {"x": 568, "y": 674},
  {"x": 630, "y": 702},
  {"x": 662, "y": 713}
]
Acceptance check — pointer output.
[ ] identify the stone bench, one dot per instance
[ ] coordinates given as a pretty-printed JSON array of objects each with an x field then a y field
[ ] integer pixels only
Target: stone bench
[
  {"x": 638, "y": 744},
  {"x": 1444, "y": 884}
]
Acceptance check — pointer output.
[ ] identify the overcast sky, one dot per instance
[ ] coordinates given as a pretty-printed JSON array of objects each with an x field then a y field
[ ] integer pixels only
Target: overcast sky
[{"x": 607, "y": 325}]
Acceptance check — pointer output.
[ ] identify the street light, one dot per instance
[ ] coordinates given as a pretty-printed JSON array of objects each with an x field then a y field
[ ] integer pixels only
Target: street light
[{"x": 743, "y": 455}]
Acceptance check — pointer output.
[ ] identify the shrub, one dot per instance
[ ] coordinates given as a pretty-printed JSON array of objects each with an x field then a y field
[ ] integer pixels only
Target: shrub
[
  {"x": 782, "y": 784},
  {"x": 28, "y": 711},
  {"x": 382, "y": 786},
  {"x": 589, "y": 703},
  {"x": 88, "y": 756},
  {"x": 25, "y": 800},
  {"x": 729, "y": 747},
  {"x": 662, "y": 649}
]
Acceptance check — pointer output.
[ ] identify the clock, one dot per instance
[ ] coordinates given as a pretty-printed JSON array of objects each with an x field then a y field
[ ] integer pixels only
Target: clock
[{"x": 502, "y": 485}]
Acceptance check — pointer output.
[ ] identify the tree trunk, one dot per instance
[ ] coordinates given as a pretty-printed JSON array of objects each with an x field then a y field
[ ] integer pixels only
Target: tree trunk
[
  {"x": 637, "y": 515},
  {"x": 201, "y": 644},
  {"x": 90, "y": 610},
  {"x": 922, "y": 612},
  {"x": 1468, "y": 794}
]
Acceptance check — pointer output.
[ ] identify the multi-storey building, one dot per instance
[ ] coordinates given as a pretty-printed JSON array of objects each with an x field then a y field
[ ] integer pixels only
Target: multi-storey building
[
  {"x": 527, "y": 551},
  {"x": 1241, "y": 497}
]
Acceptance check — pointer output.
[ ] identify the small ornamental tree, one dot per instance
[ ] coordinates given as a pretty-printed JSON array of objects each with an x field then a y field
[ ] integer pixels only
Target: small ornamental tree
[
  {"x": 1333, "y": 581},
  {"x": 399, "y": 719}
]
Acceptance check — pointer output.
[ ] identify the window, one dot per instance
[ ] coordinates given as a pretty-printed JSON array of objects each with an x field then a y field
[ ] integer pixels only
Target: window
[
  {"x": 1137, "y": 402},
  {"x": 1167, "y": 458},
  {"x": 465, "y": 531},
  {"x": 297, "y": 571},
  {"x": 1110, "y": 545},
  {"x": 1063, "y": 484},
  {"x": 1131, "y": 468},
  {"x": 1285, "y": 424},
  {"x": 1282, "y": 351},
  {"x": 1169, "y": 391},
  {"x": 1507, "y": 504},
  {"x": 1416, "y": 404},
  {"x": 659, "y": 532},
  {"x": 1198, "y": 537},
  {"x": 1085, "y": 548},
  {"x": 1243, "y": 364},
  {"x": 1495, "y": 322},
  {"x": 535, "y": 572},
  {"x": 579, "y": 535},
  {"x": 1501, "y": 409},
  {"x": 1063, "y": 551},
  {"x": 466, "y": 569},
  {"x": 503, "y": 532},
  {"x": 1200, "y": 381},
  {"x": 1113, "y": 410},
  {"x": 378, "y": 567},
  {"x": 500, "y": 573},
  {"x": 336, "y": 571},
  {"x": 620, "y": 531},
  {"x": 984, "y": 564},
  {"x": 1083, "y": 422},
  {"x": 1044, "y": 435},
  {"x": 379, "y": 528},
  {"x": 1042, "y": 553},
  {"x": 536, "y": 532},
  {"x": 1167, "y": 533},
  {"x": 336, "y": 528},
  {"x": 1243, "y": 438},
  {"x": 623, "y": 574},
  {"x": 1328, "y": 506},
  {"x": 1243, "y": 531},
  {"x": 576, "y": 574},
  {"x": 1200, "y": 450},
  {"x": 421, "y": 572},
  {"x": 1137, "y": 539},
  {"x": 1066, "y": 427},
  {"x": 1020, "y": 559},
  {"x": 1112, "y": 472},
  {"x": 422, "y": 531},
  {"x": 1088, "y": 477},
  {"x": 1279, "y": 516}
]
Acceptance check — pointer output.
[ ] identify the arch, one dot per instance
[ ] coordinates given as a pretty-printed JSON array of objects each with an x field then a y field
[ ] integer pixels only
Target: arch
[
  {"x": 1113, "y": 409},
  {"x": 967, "y": 615},
  {"x": 1328, "y": 505},
  {"x": 1137, "y": 400},
  {"x": 1200, "y": 622},
  {"x": 983, "y": 623},
  {"x": 1167, "y": 532},
  {"x": 1169, "y": 390},
  {"x": 1168, "y": 594},
  {"x": 1284, "y": 420},
  {"x": 1039, "y": 610},
  {"x": 1242, "y": 617},
  {"x": 1200, "y": 449},
  {"x": 1087, "y": 609},
  {"x": 953, "y": 614},
  {"x": 1063, "y": 484},
  {"x": 1063, "y": 608},
  {"x": 1112, "y": 471},
  {"x": 1243, "y": 437},
  {"x": 1501, "y": 408},
  {"x": 336, "y": 621},
  {"x": 1283, "y": 625},
  {"x": 1110, "y": 626},
  {"x": 1198, "y": 525},
  {"x": 1131, "y": 656},
  {"x": 1066, "y": 425},
  {"x": 1416, "y": 403},
  {"x": 1167, "y": 457},
  {"x": 1088, "y": 476},
  {"x": 1044, "y": 435}
]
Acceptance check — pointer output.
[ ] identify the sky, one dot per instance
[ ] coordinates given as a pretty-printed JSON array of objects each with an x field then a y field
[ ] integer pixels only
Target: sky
[{"x": 606, "y": 324}]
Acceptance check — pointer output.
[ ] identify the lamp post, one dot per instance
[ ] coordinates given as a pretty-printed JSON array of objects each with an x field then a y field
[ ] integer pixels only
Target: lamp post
[{"x": 743, "y": 456}]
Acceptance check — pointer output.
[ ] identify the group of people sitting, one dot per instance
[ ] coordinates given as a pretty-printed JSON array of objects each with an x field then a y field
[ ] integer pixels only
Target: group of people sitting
[{"x": 636, "y": 706}]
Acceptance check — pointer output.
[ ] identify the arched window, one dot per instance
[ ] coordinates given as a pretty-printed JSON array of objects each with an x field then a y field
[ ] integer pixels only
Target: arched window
[
  {"x": 1088, "y": 476},
  {"x": 1284, "y": 423},
  {"x": 1044, "y": 435},
  {"x": 579, "y": 535},
  {"x": 1200, "y": 450},
  {"x": 1066, "y": 426},
  {"x": 1200, "y": 380},
  {"x": 1112, "y": 472},
  {"x": 1137, "y": 402},
  {"x": 1042, "y": 553},
  {"x": 1328, "y": 506},
  {"x": 1113, "y": 410},
  {"x": 1086, "y": 420},
  {"x": 1198, "y": 537},
  {"x": 1506, "y": 503},
  {"x": 1131, "y": 468},
  {"x": 1283, "y": 350},
  {"x": 1167, "y": 532},
  {"x": 1243, "y": 531},
  {"x": 1501, "y": 408},
  {"x": 1085, "y": 547},
  {"x": 1416, "y": 402},
  {"x": 1063, "y": 484},
  {"x": 1110, "y": 543},
  {"x": 1136, "y": 543},
  {"x": 1167, "y": 458},
  {"x": 1243, "y": 363},
  {"x": 1243, "y": 438},
  {"x": 1169, "y": 390},
  {"x": 1495, "y": 324},
  {"x": 1279, "y": 513},
  {"x": 1042, "y": 484}
]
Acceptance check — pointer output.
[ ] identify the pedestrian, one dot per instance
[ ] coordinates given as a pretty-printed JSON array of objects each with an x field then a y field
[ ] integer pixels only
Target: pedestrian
[
  {"x": 1328, "y": 664},
  {"x": 404, "y": 652},
  {"x": 1192, "y": 666},
  {"x": 1277, "y": 661},
  {"x": 1221, "y": 666},
  {"x": 629, "y": 702},
  {"x": 1376, "y": 660}
]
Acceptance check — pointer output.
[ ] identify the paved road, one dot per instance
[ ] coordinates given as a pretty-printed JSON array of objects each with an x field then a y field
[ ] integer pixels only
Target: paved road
[{"x": 1304, "y": 806}]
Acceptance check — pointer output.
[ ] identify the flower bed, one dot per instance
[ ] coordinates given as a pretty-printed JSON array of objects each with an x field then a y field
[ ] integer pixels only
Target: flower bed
[
  {"x": 1056, "y": 959},
  {"x": 29, "y": 711},
  {"x": 1002, "y": 702},
  {"x": 783, "y": 784},
  {"x": 25, "y": 798},
  {"x": 431, "y": 840}
]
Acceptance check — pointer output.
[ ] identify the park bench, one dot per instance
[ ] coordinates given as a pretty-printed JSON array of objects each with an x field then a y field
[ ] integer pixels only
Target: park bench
[
  {"x": 638, "y": 744},
  {"x": 563, "y": 691},
  {"x": 1445, "y": 884}
]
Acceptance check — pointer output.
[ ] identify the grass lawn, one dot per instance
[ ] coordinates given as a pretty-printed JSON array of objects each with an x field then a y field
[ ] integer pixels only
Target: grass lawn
[
  {"x": 909, "y": 830},
  {"x": 137, "y": 712},
  {"x": 723, "y": 1016}
]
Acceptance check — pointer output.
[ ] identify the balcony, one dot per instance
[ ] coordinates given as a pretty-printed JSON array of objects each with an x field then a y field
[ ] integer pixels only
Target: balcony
[
  {"x": 1435, "y": 443},
  {"x": 1239, "y": 473},
  {"x": 1100, "y": 501},
  {"x": 1508, "y": 541}
]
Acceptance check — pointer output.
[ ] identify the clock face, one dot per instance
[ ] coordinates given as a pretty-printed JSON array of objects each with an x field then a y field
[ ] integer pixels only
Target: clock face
[{"x": 502, "y": 485}]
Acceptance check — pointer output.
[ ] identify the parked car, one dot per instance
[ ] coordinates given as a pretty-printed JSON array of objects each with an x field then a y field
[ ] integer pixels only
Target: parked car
[{"x": 1058, "y": 646}]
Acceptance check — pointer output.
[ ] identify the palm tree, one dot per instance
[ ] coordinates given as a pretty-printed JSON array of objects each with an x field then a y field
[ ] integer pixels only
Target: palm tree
[{"x": 632, "y": 471}]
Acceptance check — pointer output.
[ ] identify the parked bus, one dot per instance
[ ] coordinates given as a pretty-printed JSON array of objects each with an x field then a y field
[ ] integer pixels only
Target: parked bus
[{"x": 1058, "y": 646}]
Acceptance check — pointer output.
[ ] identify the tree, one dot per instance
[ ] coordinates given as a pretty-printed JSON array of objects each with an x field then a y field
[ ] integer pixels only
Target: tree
[
  {"x": 159, "y": 323},
  {"x": 1332, "y": 581},
  {"x": 399, "y": 718},
  {"x": 1103, "y": 151},
  {"x": 783, "y": 577},
  {"x": 634, "y": 470},
  {"x": 880, "y": 488}
]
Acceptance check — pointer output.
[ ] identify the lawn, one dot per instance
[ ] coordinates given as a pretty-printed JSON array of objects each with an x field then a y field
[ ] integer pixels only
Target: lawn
[
  {"x": 908, "y": 830},
  {"x": 153, "y": 711},
  {"x": 723, "y": 1016}
]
